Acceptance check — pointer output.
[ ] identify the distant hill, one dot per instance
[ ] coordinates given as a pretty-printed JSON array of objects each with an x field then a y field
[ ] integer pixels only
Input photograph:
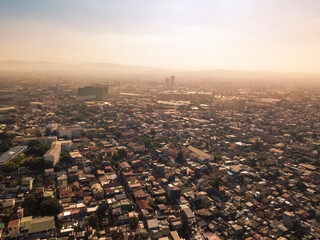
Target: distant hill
[
  {"x": 72, "y": 67},
  {"x": 245, "y": 75},
  {"x": 125, "y": 71}
]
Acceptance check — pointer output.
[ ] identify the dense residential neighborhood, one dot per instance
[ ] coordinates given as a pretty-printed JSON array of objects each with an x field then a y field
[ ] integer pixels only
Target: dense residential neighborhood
[{"x": 235, "y": 162}]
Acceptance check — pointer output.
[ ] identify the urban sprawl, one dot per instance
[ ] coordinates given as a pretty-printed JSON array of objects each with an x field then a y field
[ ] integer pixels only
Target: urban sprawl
[{"x": 159, "y": 160}]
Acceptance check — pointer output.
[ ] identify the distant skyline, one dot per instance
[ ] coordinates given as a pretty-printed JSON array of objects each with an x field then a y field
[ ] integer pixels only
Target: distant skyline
[{"x": 254, "y": 35}]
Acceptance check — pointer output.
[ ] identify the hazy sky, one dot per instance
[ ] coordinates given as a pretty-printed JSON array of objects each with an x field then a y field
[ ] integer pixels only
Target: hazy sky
[{"x": 277, "y": 35}]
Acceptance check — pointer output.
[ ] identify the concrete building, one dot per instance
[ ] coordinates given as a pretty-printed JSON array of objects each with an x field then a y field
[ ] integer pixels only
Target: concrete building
[
  {"x": 27, "y": 182},
  {"x": 49, "y": 139},
  {"x": 199, "y": 155},
  {"x": 137, "y": 147},
  {"x": 153, "y": 224},
  {"x": 91, "y": 92},
  {"x": 37, "y": 227},
  {"x": 52, "y": 127},
  {"x": 289, "y": 219},
  {"x": 173, "y": 191},
  {"x": 13, "y": 228},
  {"x": 187, "y": 213},
  {"x": 53, "y": 154},
  {"x": 70, "y": 131},
  {"x": 66, "y": 145}
]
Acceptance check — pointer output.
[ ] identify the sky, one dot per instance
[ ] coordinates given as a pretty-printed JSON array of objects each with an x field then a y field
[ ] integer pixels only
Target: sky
[{"x": 271, "y": 35}]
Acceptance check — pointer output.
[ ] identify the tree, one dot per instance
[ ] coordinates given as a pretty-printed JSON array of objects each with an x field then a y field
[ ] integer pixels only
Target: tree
[
  {"x": 180, "y": 157},
  {"x": 18, "y": 159},
  {"x": 316, "y": 162},
  {"x": 35, "y": 163},
  {"x": 64, "y": 157},
  {"x": 217, "y": 158},
  {"x": 102, "y": 209},
  {"x": 47, "y": 165},
  {"x": 156, "y": 144},
  {"x": 159, "y": 201},
  {"x": 57, "y": 167},
  {"x": 215, "y": 183},
  {"x": 256, "y": 146},
  {"x": 301, "y": 186},
  {"x": 38, "y": 149},
  {"x": 8, "y": 216},
  {"x": 96, "y": 162},
  {"x": 146, "y": 141},
  {"x": 50, "y": 207},
  {"x": 117, "y": 235},
  {"x": 15, "y": 183},
  {"x": 122, "y": 153},
  {"x": 9, "y": 167},
  {"x": 115, "y": 156},
  {"x": 133, "y": 222},
  {"x": 117, "y": 133},
  {"x": 153, "y": 205},
  {"x": 186, "y": 229},
  {"x": 30, "y": 205},
  {"x": 92, "y": 220},
  {"x": 252, "y": 162},
  {"x": 33, "y": 143},
  {"x": 4, "y": 146}
]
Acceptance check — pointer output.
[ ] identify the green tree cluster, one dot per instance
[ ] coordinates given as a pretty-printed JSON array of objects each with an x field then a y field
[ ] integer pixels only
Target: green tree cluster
[
  {"x": 146, "y": 141},
  {"x": 32, "y": 206},
  {"x": 180, "y": 157},
  {"x": 301, "y": 186},
  {"x": 186, "y": 229},
  {"x": 215, "y": 182},
  {"x": 96, "y": 162},
  {"x": 92, "y": 220},
  {"x": 133, "y": 222},
  {"x": 117, "y": 235},
  {"x": 9, "y": 167},
  {"x": 115, "y": 156},
  {"x": 122, "y": 153},
  {"x": 37, "y": 164},
  {"x": 256, "y": 146},
  {"x": 13, "y": 164},
  {"x": 64, "y": 157},
  {"x": 159, "y": 201},
  {"x": 50, "y": 207},
  {"x": 37, "y": 149},
  {"x": 6, "y": 142},
  {"x": 153, "y": 205}
]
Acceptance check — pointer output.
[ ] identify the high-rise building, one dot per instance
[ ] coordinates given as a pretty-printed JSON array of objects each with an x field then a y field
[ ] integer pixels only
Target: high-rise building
[
  {"x": 172, "y": 80},
  {"x": 98, "y": 92}
]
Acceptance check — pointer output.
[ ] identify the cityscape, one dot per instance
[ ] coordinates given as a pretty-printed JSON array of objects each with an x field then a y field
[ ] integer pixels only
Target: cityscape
[{"x": 115, "y": 150}]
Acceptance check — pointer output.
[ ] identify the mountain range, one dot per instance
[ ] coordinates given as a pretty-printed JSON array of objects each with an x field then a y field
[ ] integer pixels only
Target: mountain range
[{"x": 125, "y": 71}]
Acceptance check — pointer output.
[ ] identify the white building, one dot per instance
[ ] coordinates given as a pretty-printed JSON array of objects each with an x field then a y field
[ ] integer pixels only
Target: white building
[
  {"x": 70, "y": 132},
  {"x": 66, "y": 145},
  {"x": 137, "y": 147},
  {"x": 53, "y": 154}
]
